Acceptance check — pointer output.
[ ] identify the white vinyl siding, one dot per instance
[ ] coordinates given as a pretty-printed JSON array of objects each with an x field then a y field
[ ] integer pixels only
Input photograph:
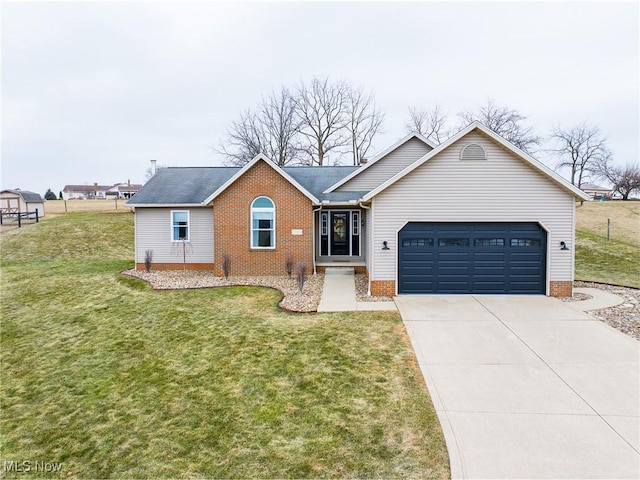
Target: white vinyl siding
[
  {"x": 154, "y": 231},
  {"x": 502, "y": 188},
  {"x": 387, "y": 167}
]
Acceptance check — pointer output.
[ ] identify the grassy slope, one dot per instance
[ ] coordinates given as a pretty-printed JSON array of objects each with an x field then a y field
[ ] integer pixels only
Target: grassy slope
[
  {"x": 609, "y": 261},
  {"x": 116, "y": 380}
]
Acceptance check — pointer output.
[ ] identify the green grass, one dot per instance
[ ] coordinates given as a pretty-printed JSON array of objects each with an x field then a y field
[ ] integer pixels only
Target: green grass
[
  {"x": 608, "y": 261},
  {"x": 113, "y": 379}
]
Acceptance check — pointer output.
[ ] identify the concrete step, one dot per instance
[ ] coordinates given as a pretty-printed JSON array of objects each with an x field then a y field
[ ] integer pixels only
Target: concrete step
[{"x": 339, "y": 271}]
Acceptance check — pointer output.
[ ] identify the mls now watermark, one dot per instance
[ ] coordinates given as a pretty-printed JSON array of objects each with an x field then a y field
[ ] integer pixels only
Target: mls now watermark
[{"x": 35, "y": 466}]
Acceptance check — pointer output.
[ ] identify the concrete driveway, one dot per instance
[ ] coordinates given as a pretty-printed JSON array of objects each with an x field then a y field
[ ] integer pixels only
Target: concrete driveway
[{"x": 526, "y": 387}]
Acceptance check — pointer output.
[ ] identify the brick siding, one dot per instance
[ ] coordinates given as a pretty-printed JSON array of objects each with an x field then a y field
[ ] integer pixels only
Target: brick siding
[
  {"x": 232, "y": 224},
  {"x": 383, "y": 288},
  {"x": 560, "y": 289}
]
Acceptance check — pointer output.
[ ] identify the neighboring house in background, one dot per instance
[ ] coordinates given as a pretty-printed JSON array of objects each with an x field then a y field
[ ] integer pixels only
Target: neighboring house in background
[
  {"x": 123, "y": 190},
  {"x": 18, "y": 201},
  {"x": 94, "y": 191},
  {"x": 472, "y": 215},
  {"x": 596, "y": 192}
]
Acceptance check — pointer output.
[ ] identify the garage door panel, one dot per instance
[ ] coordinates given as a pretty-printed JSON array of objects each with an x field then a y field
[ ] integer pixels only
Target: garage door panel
[{"x": 472, "y": 258}]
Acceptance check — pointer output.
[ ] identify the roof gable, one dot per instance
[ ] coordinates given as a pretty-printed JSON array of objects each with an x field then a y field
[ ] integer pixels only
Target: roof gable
[
  {"x": 260, "y": 158},
  {"x": 380, "y": 156},
  {"x": 528, "y": 159}
]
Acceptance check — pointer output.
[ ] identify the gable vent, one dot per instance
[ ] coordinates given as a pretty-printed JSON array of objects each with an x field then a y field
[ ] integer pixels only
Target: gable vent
[{"x": 473, "y": 151}]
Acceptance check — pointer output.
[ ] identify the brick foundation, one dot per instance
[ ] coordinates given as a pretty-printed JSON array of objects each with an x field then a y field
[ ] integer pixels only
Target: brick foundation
[
  {"x": 383, "y": 288},
  {"x": 560, "y": 289},
  {"x": 176, "y": 266}
]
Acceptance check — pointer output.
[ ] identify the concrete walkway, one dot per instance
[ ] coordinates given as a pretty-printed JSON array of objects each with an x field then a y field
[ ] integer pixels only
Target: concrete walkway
[
  {"x": 599, "y": 299},
  {"x": 528, "y": 386},
  {"x": 339, "y": 294}
]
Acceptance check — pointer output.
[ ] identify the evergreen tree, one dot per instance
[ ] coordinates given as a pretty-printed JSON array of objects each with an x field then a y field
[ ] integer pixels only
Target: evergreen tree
[{"x": 50, "y": 195}]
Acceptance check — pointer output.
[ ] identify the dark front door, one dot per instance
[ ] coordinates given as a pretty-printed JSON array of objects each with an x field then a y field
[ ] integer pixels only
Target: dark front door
[{"x": 340, "y": 233}]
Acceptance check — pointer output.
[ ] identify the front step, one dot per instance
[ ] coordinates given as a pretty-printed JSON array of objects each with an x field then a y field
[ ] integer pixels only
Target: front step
[{"x": 339, "y": 271}]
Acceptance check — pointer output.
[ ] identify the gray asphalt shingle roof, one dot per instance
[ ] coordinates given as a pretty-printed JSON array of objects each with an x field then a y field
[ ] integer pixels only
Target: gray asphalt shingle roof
[
  {"x": 27, "y": 196},
  {"x": 193, "y": 185},
  {"x": 182, "y": 185}
]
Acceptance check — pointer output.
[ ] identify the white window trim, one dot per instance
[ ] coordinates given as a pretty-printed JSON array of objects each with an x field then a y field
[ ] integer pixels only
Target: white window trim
[
  {"x": 355, "y": 223},
  {"x": 253, "y": 209},
  {"x": 188, "y": 212},
  {"x": 324, "y": 224}
]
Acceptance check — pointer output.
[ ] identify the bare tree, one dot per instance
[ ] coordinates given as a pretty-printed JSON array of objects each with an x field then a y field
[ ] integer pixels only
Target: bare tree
[
  {"x": 243, "y": 139},
  {"x": 625, "y": 180},
  {"x": 428, "y": 123},
  {"x": 280, "y": 126},
  {"x": 151, "y": 171},
  {"x": 270, "y": 129},
  {"x": 305, "y": 125},
  {"x": 322, "y": 108},
  {"x": 505, "y": 122},
  {"x": 582, "y": 149},
  {"x": 365, "y": 121}
]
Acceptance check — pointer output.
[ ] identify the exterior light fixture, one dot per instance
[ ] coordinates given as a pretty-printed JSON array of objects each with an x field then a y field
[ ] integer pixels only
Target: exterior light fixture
[
  {"x": 563, "y": 246},
  {"x": 385, "y": 245}
]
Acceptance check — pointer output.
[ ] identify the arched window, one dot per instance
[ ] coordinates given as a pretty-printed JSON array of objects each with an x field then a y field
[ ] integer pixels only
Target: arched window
[
  {"x": 263, "y": 223},
  {"x": 473, "y": 151}
]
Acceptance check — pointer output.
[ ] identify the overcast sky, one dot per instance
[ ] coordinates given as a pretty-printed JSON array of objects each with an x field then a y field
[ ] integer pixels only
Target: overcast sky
[{"x": 92, "y": 91}]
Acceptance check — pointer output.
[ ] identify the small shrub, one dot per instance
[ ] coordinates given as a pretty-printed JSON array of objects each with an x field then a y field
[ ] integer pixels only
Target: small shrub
[
  {"x": 301, "y": 274},
  {"x": 148, "y": 258},
  {"x": 288, "y": 263},
  {"x": 226, "y": 265}
]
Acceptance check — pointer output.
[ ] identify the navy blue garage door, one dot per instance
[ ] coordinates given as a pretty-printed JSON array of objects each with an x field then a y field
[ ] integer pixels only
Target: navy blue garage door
[{"x": 472, "y": 258}]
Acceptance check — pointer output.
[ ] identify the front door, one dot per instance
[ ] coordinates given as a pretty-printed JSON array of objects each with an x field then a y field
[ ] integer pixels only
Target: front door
[{"x": 340, "y": 233}]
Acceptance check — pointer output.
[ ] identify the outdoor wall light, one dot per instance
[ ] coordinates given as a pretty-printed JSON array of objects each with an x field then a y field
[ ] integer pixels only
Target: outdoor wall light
[
  {"x": 385, "y": 245},
  {"x": 563, "y": 246}
]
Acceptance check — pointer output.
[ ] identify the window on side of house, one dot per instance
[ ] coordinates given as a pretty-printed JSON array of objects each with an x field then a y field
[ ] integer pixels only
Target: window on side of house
[
  {"x": 263, "y": 223},
  {"x": 180, "y": 225}
]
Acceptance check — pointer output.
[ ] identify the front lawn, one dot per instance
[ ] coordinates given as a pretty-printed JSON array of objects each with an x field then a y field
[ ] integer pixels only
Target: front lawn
[{"x": 113, "y": 379}]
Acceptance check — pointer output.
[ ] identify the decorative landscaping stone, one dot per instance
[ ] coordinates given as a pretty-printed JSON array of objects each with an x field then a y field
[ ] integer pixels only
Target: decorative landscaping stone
[
  {"x": 624, "y": 317},
  {"x": 292, "y": 300}
]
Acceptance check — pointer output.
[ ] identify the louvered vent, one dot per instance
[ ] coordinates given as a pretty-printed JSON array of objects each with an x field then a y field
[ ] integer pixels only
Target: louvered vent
[{"x": 473, "y": 151}]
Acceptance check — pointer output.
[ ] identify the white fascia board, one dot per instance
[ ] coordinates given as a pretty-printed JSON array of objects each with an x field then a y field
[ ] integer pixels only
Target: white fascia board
[
  {"x": 382, "y": 154},
  {"x": 490, "y": 133},
  {"x": 244, "y": 169},
  {"x": 165, "y": 205}
]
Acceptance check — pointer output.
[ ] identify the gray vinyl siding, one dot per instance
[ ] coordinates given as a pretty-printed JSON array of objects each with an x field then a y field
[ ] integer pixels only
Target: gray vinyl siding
[
  {"x": 387, "y": 167},
  {"x": 153, "y": 232},
  {"x": 502, "y": 188}
]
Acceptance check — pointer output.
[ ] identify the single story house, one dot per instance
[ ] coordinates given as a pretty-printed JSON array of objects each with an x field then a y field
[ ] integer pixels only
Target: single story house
[
  {"x": 123, "y": 190},
  {"x": 13, "y": 202},
  {"x": 596, "y": 192},
  {"x": 472, "y": 215},
  {"x": 95, "y": 191}
]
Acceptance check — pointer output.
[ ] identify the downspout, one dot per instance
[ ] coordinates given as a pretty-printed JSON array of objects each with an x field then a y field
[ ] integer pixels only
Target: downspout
[
  {"x": 369, "y": 242},
  {"x": 313, "y": 238}
]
